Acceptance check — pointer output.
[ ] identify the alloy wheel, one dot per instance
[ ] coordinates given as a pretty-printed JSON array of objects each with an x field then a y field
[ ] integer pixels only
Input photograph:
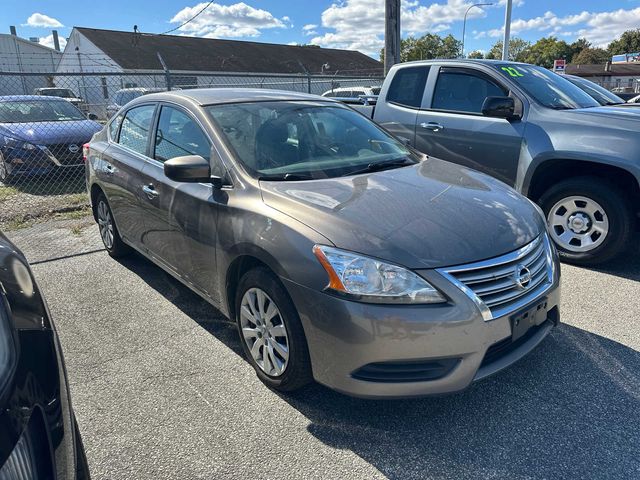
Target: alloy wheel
[
  {"x": 578, "y": 224},
  {"x": 105, "y": 224},
  {"x": 264, "y": 332}
]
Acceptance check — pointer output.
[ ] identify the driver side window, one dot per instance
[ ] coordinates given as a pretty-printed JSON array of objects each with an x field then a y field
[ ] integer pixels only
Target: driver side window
[
  {"x": 461, "y": 90},
  {"x": 179, "y": 135}
]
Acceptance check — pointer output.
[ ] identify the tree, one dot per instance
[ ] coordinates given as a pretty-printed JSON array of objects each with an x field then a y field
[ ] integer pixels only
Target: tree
[
  {"x": 475, "y": 54},
  {"x": 577, "y": 47},
  {"x": 546, "y": 50},
  {"x": 591, "y": 56},
  {"x": 427, "y": 47},
  {"x": 517, "y": 50},
  {"x": 629, "y": 42}
]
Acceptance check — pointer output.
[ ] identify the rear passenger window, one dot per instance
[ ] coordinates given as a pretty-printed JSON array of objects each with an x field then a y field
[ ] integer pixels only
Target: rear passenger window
[
  {"x": 179, "y": 135},
  {"x": 407, "y": 86},
  {"x": 460, "y": 90},
  {"x": 134, "y": 133}
]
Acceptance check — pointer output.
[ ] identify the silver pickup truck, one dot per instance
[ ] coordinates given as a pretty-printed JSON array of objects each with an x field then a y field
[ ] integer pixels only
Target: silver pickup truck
[{"x": 535, "y": 131}]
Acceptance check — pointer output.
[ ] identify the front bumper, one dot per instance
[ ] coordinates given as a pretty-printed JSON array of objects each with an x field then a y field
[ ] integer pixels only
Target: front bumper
[
  {"x": 37, "y": 161},
  {"x": 354, "y": 345}
]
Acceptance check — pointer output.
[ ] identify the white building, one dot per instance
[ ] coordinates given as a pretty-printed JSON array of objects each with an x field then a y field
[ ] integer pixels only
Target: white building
[{"x": 25, "y": 56}]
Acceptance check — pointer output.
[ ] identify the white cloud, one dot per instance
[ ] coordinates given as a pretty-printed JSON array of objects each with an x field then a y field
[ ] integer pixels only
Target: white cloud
[
  {"x": 48, "y": 41},
  {"x": 309, "y": 26},
  {"x": 237, "y": 20},
  {"x": 41, "y": 20},
  {"x": 600, "y": 28},
  {"x": 359, "y": 24}
]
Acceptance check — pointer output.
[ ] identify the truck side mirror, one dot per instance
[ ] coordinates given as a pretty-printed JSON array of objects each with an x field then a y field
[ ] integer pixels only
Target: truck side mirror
[{"x": 499, "y": 107}]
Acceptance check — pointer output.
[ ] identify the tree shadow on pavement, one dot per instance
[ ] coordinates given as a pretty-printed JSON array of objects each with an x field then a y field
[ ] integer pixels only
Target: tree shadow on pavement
[{"x": 571, "y": 409}]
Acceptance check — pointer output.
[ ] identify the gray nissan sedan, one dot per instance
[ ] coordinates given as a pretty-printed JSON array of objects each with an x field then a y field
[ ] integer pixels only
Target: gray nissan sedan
[{"x": 344, "y": 256}]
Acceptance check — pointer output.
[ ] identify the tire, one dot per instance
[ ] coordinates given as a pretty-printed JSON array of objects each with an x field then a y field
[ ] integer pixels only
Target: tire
[
  {"x": 5, "y": 171},
  {"x": 600, "y": 206},
  {"x": 108, "y": 231},
  {"x": 296, "y": 370},
  {"x": 82, "y": 466}
]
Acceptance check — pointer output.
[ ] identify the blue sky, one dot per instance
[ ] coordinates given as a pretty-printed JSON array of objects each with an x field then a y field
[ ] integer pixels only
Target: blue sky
[{"x": 356, "y": 24}]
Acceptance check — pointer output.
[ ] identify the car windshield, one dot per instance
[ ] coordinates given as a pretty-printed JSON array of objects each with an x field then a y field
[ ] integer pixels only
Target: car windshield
[
  {"x": 28, "y": 111},
  {"x": 598, "y": 93},
  {"x": 299, "y": 140},
  {"x": 57, "y": 92},
  {"x": 546, "y": 87}
]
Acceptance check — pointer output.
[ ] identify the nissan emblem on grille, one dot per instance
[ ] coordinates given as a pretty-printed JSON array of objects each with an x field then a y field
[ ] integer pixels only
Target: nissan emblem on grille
[
  {"x": 522, "y": 276},
  {"x": 73, "y": 148}
]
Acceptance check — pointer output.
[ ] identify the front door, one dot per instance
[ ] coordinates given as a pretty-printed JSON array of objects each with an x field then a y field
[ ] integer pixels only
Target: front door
[
  {"x": 180, "y": 220},
  {"x": 454, "y": 129}
]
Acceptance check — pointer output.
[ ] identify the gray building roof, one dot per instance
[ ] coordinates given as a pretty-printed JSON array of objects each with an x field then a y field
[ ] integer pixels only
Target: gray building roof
[
  {"x": 134, "y": 51},
  {"x": 604, "y": 70}
]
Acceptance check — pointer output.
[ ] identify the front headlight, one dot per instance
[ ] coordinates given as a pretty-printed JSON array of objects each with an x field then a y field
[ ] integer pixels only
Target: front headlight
[
  {"x": 370, "y": 280},
  {"x": 17, "y": 143}
]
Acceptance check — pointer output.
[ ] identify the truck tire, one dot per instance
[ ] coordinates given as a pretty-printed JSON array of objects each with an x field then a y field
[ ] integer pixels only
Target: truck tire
[{"x": 589, "y": 219}]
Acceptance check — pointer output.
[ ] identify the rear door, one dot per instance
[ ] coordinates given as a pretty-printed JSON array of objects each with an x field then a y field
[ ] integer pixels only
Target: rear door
[
  {"x": 452, "y": 127},
  {"x": 402, "y": 102},
  {"x": 180, "y": 220},
  {"x": 120, "y": 169}
]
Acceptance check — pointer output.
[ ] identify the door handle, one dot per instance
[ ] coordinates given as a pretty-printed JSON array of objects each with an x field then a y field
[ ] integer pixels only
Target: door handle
[
  {"x": 150, "y": 191},
  {"x": 432, "y": 126},
  {"x": 109, "y": 169}
]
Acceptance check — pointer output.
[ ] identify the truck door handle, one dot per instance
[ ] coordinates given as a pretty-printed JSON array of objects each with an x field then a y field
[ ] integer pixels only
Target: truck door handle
[
  {"x": 432, "y": 126},
  {"x": 150, "y": 191},
  {"x": 109, "y": 169}
]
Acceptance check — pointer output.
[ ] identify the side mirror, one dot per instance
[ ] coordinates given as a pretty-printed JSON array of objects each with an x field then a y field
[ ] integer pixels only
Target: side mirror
[
  {"x": 190, "y": 169},
  {"x": 499, "y": 107},
  {"x": 92, "y": 116}
]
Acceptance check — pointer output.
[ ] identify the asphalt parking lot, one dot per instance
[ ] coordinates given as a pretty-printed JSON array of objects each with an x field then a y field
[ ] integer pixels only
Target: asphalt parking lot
[{"x": 161, "y": 391}]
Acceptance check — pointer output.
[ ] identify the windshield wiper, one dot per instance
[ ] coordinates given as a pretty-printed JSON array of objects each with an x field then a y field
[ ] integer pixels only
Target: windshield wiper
[
  {"x": 287, "y": 177},
  {"x": 378, "y": 166}
]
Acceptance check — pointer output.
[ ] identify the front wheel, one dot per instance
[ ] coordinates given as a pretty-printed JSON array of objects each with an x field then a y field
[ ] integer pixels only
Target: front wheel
[
  {"x": 589, "y": 220},
  {"x": 271, "y": 332}
]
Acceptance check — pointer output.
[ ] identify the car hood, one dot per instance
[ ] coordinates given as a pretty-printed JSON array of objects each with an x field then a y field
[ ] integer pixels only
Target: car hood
[
  {"x": 428, "y": 215},
  {"x": 616, "y": 114},
  {"x": 48, "y": 133}
]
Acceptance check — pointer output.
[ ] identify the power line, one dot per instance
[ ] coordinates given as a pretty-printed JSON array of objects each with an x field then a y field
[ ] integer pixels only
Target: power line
[{"x": 190, "y": 20}]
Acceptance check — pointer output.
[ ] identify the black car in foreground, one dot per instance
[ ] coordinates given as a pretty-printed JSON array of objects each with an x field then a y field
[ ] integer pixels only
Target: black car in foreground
[{"x": 39, "y": 438}]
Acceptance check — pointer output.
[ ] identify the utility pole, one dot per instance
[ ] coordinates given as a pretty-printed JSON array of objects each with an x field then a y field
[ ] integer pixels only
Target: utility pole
[
  {"x": 391, "y": 34},
  {"x": 507, "y": 31}
]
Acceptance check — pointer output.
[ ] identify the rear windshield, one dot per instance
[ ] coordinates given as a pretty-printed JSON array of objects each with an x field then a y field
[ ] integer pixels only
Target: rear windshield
[
  {"x": 546, "y": 87},
  {"x": 305, "y": 139},
  {"x": 28, "y": 111}
]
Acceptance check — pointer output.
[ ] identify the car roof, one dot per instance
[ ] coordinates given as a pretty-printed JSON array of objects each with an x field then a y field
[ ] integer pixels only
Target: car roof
[
  {"x": 39, "y": 98},
  {"x": 212, "y": 96},
  {"x": 476, "y": 61}
]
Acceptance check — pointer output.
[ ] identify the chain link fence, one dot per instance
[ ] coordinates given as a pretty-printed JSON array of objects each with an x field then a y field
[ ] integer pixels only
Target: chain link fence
[{"x": 44, "y": 205}]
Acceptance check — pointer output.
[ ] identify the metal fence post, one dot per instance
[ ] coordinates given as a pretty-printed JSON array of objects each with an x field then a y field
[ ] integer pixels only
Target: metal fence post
[
  {"x": 167, "y": 73},
  {"x": 308, "y": 83}
]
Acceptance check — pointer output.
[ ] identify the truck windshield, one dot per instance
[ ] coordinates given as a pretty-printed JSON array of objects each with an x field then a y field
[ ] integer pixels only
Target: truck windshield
[
  {"x": 301, "y": 140},
  {"x": 599, "y": 94},
  {"x": 546, "y": 87},
  {"x": 57, "y": 92}
]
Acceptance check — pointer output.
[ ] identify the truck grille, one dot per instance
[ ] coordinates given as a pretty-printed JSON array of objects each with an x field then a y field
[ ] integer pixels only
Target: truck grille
[{"x": 501, "y": 285}]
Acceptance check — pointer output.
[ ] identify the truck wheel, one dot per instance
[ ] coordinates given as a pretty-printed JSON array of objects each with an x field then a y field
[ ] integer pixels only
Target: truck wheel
[{"x": 589, "y": 219}]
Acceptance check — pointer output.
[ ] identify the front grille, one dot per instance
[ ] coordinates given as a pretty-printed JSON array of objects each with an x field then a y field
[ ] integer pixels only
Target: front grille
[
  {"x": 408, "y": 371},
  {"x": 503, "y": 284},
  {"x": 65, "y": 156}
]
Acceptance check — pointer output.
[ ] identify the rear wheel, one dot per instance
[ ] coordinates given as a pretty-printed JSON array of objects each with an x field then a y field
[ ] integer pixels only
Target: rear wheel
[
  {"x": 589, "y": 220},
  {"x": 108, "y": 231},
  {"x": 271, "y": 332}
]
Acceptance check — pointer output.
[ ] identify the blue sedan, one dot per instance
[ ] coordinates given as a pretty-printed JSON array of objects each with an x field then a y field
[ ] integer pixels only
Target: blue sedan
[{"x": 38, "y": 134}]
